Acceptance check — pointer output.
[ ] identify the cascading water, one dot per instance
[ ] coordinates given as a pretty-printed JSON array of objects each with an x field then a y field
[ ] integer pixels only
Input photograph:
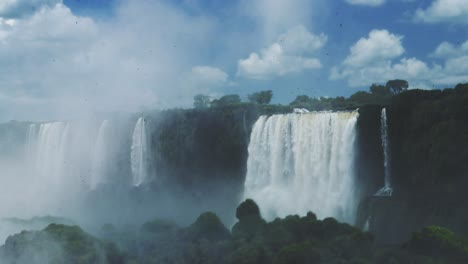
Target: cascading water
[
  {"x": 32, "y": 140},
  {"x": 51, "y": 150},
  {"x": 101, "y": 156},
  {"x": 139, "y": 153},
  {"x": 87, "y": 153},
  {"x": 387, "y": 190},
  {"x": 303, "y": 162},
  {"x": 77, "y": 168}
]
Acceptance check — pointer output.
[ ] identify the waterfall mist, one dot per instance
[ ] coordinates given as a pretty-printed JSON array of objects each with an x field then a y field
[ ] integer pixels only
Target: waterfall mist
[
  {"x": 102, "y": 170},
  {"x": 102, "y": 155},
  {"x": 303, "y": 162},
  {"x": 79, "y": 169}
]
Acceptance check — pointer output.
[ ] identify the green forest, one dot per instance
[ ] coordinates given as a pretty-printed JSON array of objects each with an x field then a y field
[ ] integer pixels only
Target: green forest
[{"x": 251, "y": 240}]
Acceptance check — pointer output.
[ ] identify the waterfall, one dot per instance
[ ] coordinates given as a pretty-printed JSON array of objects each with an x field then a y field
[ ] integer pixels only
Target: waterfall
[
  {"x": 88, "y": 153},
  {"x": 300, "y": 110},
  {"x": 50, "y": 151},
  {"x": 387, "y": 189},
  {"x": 367, "y": 224},
  {"x": 101, "y": 157},
  {"x": 139, "y": 153},
  {"x": 32, "y": 140},
  {"x": 303, "y": 162}
]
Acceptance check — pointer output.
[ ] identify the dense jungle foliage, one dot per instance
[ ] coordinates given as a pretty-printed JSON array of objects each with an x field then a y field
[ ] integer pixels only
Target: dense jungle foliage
[{"x": 290, "y": 240}]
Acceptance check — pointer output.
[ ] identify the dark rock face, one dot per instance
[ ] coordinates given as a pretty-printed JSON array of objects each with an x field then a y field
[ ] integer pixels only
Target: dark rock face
[
  {"x": 203, "y": 144},
  {"x": 429, "y": 144}
]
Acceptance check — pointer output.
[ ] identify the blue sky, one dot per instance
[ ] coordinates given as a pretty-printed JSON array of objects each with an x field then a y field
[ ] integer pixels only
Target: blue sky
[{"x": 61, "y": 59}]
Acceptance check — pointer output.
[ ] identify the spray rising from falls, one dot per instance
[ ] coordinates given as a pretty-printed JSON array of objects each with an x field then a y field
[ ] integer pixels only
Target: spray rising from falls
[
  {"x": 32, "y": 139},
  {"x": 303, "y": 162},
  {"x": 88, "y": 153},
  {"x": 78, "y": 168},
  {"x": 102, "y": 156},
  {"x": 387, "y": 189},
  {"x": 139, "y": 153},
  {"x": 50, "y": 151}
]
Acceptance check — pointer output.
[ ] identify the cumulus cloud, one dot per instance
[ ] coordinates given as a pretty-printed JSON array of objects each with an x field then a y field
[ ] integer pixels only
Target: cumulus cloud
[
  {"x": 19, "y": 8},
  {"x": 455, "y": 65},
  {"x": 407, "y": 68},
  {"x": 366, "y": 2},
  {"x": 366, "y": 64},
  {"x": 289, "y": 54},
  {"x": 277, "y": 16},
  {"x": 298, "y": 40},
  {"x": 452, "y": 11},
  {"x": 448, "y": 50},
  {"x": 55, "y": 64},
  {"x": 209, "y": 75},
  {"x": 379, "y": 45}
]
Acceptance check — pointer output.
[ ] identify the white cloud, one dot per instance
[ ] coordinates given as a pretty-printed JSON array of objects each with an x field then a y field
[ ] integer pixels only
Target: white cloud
[
  {"x": 19, "y": 8},
  {"x": 380, "y": 45},
  {"x": 209, "y": 75},
  {"x": 54, "y": 63},
  {"x": 298, "y": 40},
  {"x": 366, "y": 65},
  {"x": 366, "y": 2},
  {"x": 453, "y": 11},
  {"x": 447, "y": 50},
  {"x": 407, "y": 68},
  {"x": 277, "y": 16},
  {"x": 455, "y": 67},
  {"x": 289, "y": 54},
  {"x": 70, "y": 65}
]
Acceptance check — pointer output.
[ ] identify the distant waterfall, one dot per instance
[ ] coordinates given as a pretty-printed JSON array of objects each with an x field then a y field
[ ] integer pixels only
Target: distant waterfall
[
  {"x": 303, "y": 162},
  {"x": 32, "y": 140},
  {"x": 88, "y": 153},
  {"x": 101, "y": 157},
  {"x": 387, "y": 189},
  {"x": 51, "y": 149},
  {"x": 139, "y": 153}
]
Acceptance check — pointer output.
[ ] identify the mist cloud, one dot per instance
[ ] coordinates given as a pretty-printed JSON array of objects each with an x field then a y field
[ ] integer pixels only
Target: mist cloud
[{"x": 56, "y": 64}]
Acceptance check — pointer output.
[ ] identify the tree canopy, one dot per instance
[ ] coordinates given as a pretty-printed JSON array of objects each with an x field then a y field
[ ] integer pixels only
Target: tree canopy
[
  {"x": 397, "y": 86},
  {"x": 201, "y": 101},
  {"x": 229, "y": 99},
  {"x": 262, "y": 97}
]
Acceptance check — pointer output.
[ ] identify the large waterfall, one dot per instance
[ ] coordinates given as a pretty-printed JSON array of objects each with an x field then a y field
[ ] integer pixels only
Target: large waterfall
[
  {"x": 101, "y": 156},
  {"x": 88, "y": 153},
  {"x": 303, "y": 162},
  {"x": 139, "y": 153},
  {"x": 63, "y": 167},
  {"x": 387, "y": 190},
  {"x": 50, "y": 152},
  {"x": 32, "y": 139}
]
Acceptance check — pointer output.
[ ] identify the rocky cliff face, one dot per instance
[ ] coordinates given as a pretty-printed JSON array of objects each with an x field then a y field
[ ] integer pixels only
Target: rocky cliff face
[{"x": 429, "y": 143}]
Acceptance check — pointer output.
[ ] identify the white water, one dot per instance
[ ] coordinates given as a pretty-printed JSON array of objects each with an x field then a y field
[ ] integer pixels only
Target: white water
[
  {"x": 32, "y": 141},
  {"x": 139, "y": 153},
  {"x": 78, "y": 169},
  {"x": 303, "y": 162},
  {"x": 300, "y": 111},
  {"x": 101, "y": 156},
  {"x": 367, "y": 224},
  {"x": 387, "y": 190},
  {"x": 51, "y": 150},
  {"x": 63, "y": 162}
]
